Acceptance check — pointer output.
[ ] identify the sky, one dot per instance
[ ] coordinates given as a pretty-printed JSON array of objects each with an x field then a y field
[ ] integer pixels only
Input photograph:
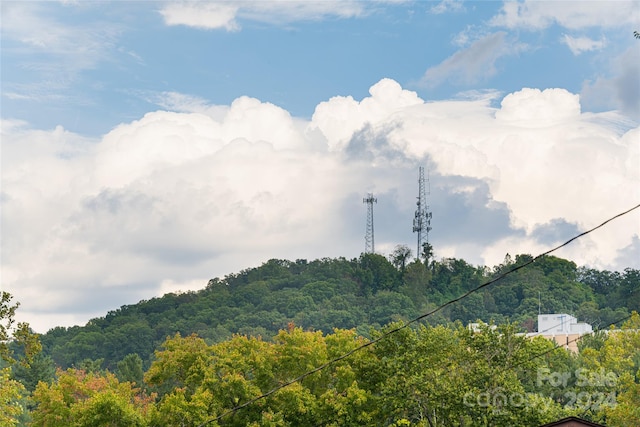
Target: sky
[{"x": 150, "y": 146}]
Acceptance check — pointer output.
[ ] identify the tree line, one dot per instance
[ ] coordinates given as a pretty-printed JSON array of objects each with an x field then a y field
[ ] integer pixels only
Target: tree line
[
  {"x": 133, "y": 362},
  {"x": 421, "y": 376},
  {"x": 363, "y": 294}
]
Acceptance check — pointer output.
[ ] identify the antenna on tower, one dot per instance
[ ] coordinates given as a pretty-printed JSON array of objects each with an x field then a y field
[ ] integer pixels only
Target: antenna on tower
[
  {"x": 539, "y": 304},
  {"x": 422, "y": 218},
  {"x": 369, "y": 246}
]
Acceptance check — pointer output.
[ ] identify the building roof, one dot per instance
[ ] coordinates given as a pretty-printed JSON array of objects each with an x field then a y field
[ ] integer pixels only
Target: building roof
[{"x": 572, "y": 422}]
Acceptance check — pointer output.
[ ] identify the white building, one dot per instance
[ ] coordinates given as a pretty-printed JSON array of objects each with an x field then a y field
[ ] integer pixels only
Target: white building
[
  {"x": 563, "y": 329},
  {"x": 561, "y": 324}
]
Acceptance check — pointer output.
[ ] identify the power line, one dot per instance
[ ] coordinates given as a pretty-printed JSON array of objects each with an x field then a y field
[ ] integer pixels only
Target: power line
[
  {"x": 412, "y": 321},
  {"x": 557, "y": 346},
  {"x": 503, "y": 275}
]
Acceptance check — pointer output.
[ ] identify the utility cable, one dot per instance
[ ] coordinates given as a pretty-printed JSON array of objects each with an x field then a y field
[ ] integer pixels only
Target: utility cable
[
  {"x": 412, "y": 321},
  {"x": 557, "y": 346}
]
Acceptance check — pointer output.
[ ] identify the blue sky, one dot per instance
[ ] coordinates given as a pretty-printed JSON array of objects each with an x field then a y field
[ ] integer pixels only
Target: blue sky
[
  {"x": 149, "y": 146},
  {"x": 102, "y": 62}
]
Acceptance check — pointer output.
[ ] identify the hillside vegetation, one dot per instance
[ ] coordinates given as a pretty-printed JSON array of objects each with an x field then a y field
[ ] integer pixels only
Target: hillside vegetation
[
  {"x": 363, "y": 293},
  {"x": 324, "y": 343}
]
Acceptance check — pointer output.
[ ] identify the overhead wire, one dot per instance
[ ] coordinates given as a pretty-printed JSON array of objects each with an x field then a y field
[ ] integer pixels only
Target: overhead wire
[
  {"x": 579, "y": 337},
  {"x": 414, "y": 320},
  {"x": 556, "y": 344}
]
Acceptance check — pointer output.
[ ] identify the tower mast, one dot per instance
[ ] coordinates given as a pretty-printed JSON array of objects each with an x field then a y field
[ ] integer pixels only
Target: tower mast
[
  {"x": 422, "y": 218},
  {"x": 369, "y": 246}
]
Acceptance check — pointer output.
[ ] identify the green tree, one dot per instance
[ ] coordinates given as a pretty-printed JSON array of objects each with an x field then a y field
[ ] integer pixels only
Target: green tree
[
  {"x": 19, "y": 336},
  {"x": 327, "y": 293},
  {"x": 416, "y": 284},
  {"x": 452, "y": 277},
  {"x": 11, "y": 392},
  {"x": 81, "y": 399},
  {"x": 245, "y": 367},
  {"x": 471, "y": 309},
  {"x": 130, "y": 369},
  {"x": 628, "y": 293},
  {"x": 92, "y": 366},
  {"x": 427, "y": 253},
  {"x": 180, "y": 364},
  {"x": 620, "y": 358},
  {"x": 400, "y": 257},
  {"x": 40, "y": 368},
  {"x": 387, "y": 306},
  {"x": 7, "y": 320},
  {"x": 452, "y": 376},
  {"x": 110, "y": 408},
  {"x": 376, "y": 273},
  {"x": 12, "y": 336}
]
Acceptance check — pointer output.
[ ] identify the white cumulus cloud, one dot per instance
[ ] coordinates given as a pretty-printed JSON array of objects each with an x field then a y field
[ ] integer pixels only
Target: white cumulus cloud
[
  {"x": 176, "y": 197},
  {"x": 205, "y": 15},
  {"x": 579, "y": 45},
  {"x": 472, "y": 64},
  {"x": 224, "y": 15},
  {"x": 573, "y": 14}
]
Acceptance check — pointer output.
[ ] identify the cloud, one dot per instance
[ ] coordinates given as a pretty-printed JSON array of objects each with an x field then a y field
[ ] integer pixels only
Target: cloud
[
  {"x": 535, "y": 108},
  {"x": 183, "y": 103},
  {"x": 284, "y": 11},
  {"x": 36, "y": 31},
  {"x": 579, "y": 45},
  {"x": 473, "y": 64},
  {"x": 556, "y": 231},
  {"x": 50, "y": 50},
  {"x": 175, "y": 198},
  {"x": 180, "y": 102},
  {"x": 224, "y": 15},
  {"x": 538, "y": 15},
  {"x": 618, "y": 87},
  {"x": 341, "y": 116},
  {"x": 447, "y": 6},
  {"x": 205, "y": 15},
  {"x": 629, "y": 254}
]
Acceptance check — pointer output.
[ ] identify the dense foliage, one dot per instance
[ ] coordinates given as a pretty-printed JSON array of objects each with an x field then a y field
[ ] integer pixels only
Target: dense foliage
[
  {"x": 423, "y": 376},
  {"x": 187, "y": 359},
  {"x": 364, "y": 293}
]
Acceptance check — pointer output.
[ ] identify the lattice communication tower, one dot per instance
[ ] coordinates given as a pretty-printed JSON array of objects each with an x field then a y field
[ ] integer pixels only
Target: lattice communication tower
[
  {"x": 422, "y": 218},
  {"x": 369, "y": 246}
]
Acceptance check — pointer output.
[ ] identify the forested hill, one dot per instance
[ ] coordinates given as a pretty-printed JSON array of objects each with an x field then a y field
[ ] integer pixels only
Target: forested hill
[{"x": 361, "y": 293}]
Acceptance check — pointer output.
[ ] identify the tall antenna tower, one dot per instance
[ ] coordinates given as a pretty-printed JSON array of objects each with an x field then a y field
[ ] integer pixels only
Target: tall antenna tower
[
  {"x": 369, "y": 246},
  {"x": 422, "y": 218}
]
